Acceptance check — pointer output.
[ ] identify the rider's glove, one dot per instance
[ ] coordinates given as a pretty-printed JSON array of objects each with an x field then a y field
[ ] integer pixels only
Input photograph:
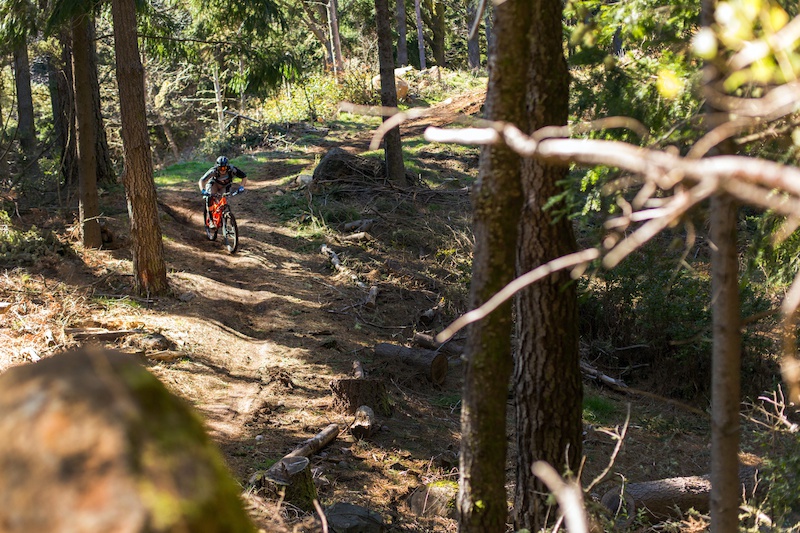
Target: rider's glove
[
  {"x": 206, "y": 193},
  {"x": 240, "y": 190}
]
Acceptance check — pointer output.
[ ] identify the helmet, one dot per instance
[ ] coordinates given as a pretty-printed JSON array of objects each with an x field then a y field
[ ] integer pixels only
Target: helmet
[{"x": 222, "y": 161}]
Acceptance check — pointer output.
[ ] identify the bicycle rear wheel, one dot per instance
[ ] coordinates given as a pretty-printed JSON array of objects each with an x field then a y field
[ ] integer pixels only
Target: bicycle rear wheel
[
  {"x": 210, "y": 233},
  {"x": 230, "y": 232}
]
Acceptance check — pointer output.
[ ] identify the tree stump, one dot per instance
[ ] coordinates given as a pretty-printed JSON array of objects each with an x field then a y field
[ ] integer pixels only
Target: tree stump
[
  {"x": 292, "y": 476},
  {"x": 351, "y": 393},
  {"x": 431, "y": 364}
]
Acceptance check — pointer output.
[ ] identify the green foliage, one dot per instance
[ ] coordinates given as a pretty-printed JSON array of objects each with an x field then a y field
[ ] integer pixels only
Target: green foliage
[
  {"x": 598, "y": 409},
  {"x": 25, "y": 247},
  {"x": 653, "y": 312},
  {"x": 776, "y": 260},
  {"x": 184, "y": 173},
  {"x": 289, "y": 206}
]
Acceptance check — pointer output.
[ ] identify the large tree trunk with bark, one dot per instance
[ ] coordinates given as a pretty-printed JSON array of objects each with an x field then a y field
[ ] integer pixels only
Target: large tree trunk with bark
[
  {"x": 488, "y": 362},
  {"x": 149, "y": 270},
  {"x": 547, "y": 376},
  {"x": 395, "y": 168},
  {"x": 87, "y": 135},
  {"x": 402, "y": 30}
]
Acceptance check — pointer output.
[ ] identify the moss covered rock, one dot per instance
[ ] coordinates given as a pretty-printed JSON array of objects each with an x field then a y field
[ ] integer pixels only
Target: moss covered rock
[{"x": 93, "y": 442}]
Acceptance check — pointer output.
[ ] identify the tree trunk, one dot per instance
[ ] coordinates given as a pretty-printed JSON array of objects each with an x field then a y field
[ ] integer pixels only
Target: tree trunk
[
  {"x": 726, "y": 363},
  {"x": 149, "y": 270},
  {"x": 66, "y": 112},
  {"x": 218, "y": 97},
  {"x": 473, "y": 42},
  {"x": 438, "y": 28},
  {"x": 336, "y": 41},
  {"x": 87, "y": 136},
  {"x": 488, "y": 362},
  {"x": 420, "y": 35},
  {"x": 402, "y": 30},
  {"x": 487, "y": 21},
  {"x": 105, "y": 168},
  {"x": 26, "y": 131},
  {"x": 316, "y": 26},
  {"x": 726, "y": 350},
  {"x": 547, "y": 376},
  {"x": 395, "y": 169}
]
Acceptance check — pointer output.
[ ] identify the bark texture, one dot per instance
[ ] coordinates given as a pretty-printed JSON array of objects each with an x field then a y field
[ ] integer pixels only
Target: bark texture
[
  {"x": 473, "y": 44},
  {"x": 105, "y": 168},
  {"x": 87, "y": 135},
  {"x": 149, "y": 270},
  {"x": 547, "y": 377},
  {"x": 488, "y": 362},
  {"x": 395, "y": 169},
  {"x": 402, "y": 30},
  {"x": 726, "y": 364},
  {"x": 26, "y": 132}
]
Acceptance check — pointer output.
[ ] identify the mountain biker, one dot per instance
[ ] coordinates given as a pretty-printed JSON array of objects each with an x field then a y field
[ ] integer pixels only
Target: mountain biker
[{"x": 219, "y": 179}]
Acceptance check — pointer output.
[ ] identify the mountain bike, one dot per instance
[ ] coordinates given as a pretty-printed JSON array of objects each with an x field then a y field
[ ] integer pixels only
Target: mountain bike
[{"x": 220, "y": 213}]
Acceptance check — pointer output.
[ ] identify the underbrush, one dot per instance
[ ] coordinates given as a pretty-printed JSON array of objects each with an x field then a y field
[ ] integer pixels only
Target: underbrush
[
  {"x": 26, "y": 246},
  {"x": 649, "y": 321}
]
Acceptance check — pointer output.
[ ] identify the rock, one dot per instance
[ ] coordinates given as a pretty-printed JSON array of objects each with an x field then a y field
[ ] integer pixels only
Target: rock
[
  {"x": 93, "y": 442},
  {"x": 153, "y": 341},
  {"x": 187, "y": 296},
  {"x": 435, "y": 499},
  {"x": 349, "y": 518}
]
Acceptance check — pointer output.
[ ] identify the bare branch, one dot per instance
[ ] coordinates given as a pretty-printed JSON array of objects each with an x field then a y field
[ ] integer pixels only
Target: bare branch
[{"x": 567, "y": 261}]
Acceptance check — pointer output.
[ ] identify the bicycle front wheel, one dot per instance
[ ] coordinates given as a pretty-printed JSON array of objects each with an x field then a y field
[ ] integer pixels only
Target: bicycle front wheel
[{"x": 230, "y": 232}]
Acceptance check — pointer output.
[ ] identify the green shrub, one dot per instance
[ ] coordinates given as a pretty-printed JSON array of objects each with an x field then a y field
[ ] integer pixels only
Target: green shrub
[{"x": 24, "y": 247}]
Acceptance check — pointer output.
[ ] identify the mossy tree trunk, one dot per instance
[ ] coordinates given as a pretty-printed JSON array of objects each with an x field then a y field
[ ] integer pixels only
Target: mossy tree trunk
[{"x": 497, "y": 203}]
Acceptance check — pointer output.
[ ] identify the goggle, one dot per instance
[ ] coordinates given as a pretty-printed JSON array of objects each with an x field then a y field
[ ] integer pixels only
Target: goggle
[{"x": 223, "y": 168}]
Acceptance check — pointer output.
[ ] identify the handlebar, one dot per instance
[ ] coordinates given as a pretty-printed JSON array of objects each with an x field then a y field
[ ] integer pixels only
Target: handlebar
[{"x": 223, "y": 195}]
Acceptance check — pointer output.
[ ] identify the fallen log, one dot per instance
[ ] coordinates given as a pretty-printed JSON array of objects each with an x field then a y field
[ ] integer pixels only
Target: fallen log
[
  {"x": 451, "y": 348},
  {"x": 364, "y": 224},
  {"x": 663, "y": 498},
  {"x": 101, "y": 334},
  {"x": 357, "y": 237},
  {"x": 315, "y": 443},
  {"x": 431, "y": 364}
]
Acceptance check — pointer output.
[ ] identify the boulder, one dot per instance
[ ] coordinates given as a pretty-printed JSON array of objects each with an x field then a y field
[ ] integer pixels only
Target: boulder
[{"x": 91, "y": 442}]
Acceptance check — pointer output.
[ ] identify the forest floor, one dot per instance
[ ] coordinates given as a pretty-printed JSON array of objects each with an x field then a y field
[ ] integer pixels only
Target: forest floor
[{"x": 255, "y": 338}]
